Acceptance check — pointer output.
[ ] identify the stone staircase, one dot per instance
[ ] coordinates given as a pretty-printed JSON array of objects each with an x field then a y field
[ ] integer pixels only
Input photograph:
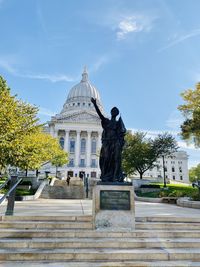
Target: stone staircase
[{"x": 71, "y": 241}]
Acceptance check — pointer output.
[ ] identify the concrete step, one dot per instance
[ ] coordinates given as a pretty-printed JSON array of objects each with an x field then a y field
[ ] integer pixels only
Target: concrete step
[
  {"x": 88, "y": 218},
  {"x": 168, "y": 219},
  {"x": 46, "y": 225},
  {"x": 102, "y": 264},
  {"x": 88, "y": 225},
  {"x": 100, "y": 243},
  {"x": 63, "y": 233},
  {"x": 100, "y": 254},
  {"x": 169, "y": 226},
  {"x": 80, "y": 218}
]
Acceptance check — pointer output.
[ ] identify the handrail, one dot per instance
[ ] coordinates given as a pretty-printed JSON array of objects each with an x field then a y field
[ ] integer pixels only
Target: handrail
[
  {"x": 4, "y": 184},
  {"x": 10, "y": 191}
]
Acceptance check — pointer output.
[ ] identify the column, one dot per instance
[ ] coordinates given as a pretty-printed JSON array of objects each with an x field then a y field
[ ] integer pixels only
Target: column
[
  {"x": 99, "y": 142},
  {"x": 89, "y": 149},
  {"x": 77, "y": 148},
  {"x": 56, "y": 133},
  {"x": 66, "y": 145},
  {"x": 51, "y": 130}
]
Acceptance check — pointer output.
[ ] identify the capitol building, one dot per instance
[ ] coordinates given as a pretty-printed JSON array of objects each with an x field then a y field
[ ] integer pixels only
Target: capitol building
[{"x": 78, "y": 130}]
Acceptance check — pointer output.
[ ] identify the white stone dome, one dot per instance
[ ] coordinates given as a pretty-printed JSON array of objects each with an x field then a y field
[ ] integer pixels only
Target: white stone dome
[{"x": 79, "y": 96}]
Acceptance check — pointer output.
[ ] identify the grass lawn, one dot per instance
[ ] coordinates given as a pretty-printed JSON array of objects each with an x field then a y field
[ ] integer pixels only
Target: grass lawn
[{"x": 173, "y": 190}]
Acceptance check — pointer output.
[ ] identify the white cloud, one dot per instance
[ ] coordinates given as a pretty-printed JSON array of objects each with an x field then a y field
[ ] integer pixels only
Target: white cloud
[
  {"x": 58, "y": 77},
  {"x": 131, "y": 24},
  {"x": 99, "y": 63},
  {"x": 127, "y": 26},
  {"x": 175, "y": 120},
  {"x": 49, "y": 77},
  {"x": 180, "y": 39},
  {"x": 46, "y": 112},
  {"x": 4, "y": 64},
  {"x": 154, "y": 133}
]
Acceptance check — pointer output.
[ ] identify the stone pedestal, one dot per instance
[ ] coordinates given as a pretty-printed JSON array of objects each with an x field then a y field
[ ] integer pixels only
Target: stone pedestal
[{"x": 114, "y": 207}]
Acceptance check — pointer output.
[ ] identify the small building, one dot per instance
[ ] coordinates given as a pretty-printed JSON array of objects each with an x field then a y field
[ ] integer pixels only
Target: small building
[{"x": 176, "y": 168}]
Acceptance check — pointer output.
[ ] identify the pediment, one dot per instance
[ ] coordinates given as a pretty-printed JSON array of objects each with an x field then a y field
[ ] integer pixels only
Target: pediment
[{"x": 80, "y": 117}]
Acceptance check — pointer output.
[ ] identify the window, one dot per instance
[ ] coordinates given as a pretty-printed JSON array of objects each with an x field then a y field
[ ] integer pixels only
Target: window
[
  {"x": 72, "y": 146},
  {"x": 165, "y": 169},
  {"x": 93, "y": 174},
  {"x": 166, "y": 176},
  {"x": 173, "y": 177},
  {"x": 73, "y": 104},
  {"x": 71, "y": 163},
  {"x": 82, "y": 163},
  {"x": 180, "y": 169},
  {"x": 62, "y": 142},
  {"x": 181, "y": 177},
  {"x": 94, "y": 146},
  {"x": 93, "y": 163},
  {"x": 83, "y": 104},
  {"x": 83, "y": 145},
  {"x": 89, "y": 104},
  {"x": 78, "y": 104},
  {"x": 173, "y": 169}
]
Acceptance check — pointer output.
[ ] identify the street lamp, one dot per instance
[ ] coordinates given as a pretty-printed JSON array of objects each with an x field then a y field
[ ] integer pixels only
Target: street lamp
[{"x": 164, "y": 177}]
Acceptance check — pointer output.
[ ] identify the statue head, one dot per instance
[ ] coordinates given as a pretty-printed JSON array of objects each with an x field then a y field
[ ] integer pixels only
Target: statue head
[{"x": 114, "y": 112}]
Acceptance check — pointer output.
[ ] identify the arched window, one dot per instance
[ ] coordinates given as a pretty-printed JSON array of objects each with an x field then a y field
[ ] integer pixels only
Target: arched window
[
  {"x": 62, "y": 142},
  {"x": 94, "y": 146},
  {"x": 83, "y": 145},
  {"x": 72, "y": 146}
]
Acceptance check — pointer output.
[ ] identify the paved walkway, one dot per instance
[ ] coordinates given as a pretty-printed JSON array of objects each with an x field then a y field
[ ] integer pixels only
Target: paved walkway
[{"x": 84, "y": 207}]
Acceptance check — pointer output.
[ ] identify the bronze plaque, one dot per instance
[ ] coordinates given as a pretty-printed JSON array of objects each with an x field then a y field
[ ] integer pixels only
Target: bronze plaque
[{"x": 114, "y": 200}]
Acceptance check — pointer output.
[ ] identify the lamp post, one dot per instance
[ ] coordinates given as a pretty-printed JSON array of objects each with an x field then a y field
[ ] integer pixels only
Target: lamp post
[{"x": 164, "y": 177}]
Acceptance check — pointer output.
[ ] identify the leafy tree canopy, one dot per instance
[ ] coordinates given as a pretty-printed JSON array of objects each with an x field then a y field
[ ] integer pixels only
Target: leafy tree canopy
[
  {"x": 22, "y": 142},
  {"x": 140, "y": 153},
  {"x": 194, "y": 174},
  {"x": 190, "y": 129},
  {"x": 17, "y": 120}
]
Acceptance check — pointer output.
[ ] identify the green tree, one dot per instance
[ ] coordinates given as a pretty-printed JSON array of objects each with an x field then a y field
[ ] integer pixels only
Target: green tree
[
  {"x": 22, "y": 142},
  {"x": 38, "y": 148},
  {"x": 60, "y": 158},
  {"x": 194, "y": 174},
  {"x": 140, "y": 153},
  {"x": 17, "y": 120},
  {"x": 190, "y": 128}
]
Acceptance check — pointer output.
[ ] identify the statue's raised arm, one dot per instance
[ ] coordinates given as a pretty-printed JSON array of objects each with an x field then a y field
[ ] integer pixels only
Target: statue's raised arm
[{"x": 93, "y": 100}]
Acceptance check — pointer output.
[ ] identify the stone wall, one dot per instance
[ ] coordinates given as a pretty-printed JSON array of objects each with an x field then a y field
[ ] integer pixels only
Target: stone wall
[{"x": 60, "y": 190}]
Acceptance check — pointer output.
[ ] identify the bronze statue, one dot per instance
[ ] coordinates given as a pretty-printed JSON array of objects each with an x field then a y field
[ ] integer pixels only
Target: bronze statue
[{"x": 112, "y": 144}]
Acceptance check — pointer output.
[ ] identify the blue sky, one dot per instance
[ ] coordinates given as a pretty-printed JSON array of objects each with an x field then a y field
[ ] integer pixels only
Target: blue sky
[{"x": 140, "y": 54}]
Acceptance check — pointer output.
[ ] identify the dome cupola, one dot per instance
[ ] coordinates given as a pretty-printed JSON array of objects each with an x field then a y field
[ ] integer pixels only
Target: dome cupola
[{"x": 79, "y": 97}]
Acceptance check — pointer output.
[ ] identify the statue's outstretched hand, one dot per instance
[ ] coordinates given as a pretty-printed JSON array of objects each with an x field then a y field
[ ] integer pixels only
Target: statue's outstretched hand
[{"x": 93, "y": 100}]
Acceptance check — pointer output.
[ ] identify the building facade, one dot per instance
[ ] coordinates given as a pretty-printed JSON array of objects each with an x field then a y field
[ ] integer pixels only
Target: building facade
[
  {"x": 78, "y": 129},
  {"x": 176, "y": 168}
]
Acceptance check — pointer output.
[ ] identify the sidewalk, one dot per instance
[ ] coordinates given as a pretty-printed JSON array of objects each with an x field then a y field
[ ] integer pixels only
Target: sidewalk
[{"x": 59, "y": 207}]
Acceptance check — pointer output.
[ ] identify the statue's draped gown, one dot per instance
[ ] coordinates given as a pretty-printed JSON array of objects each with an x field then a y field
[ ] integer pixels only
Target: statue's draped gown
[{"x": 111, "y": 150}]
